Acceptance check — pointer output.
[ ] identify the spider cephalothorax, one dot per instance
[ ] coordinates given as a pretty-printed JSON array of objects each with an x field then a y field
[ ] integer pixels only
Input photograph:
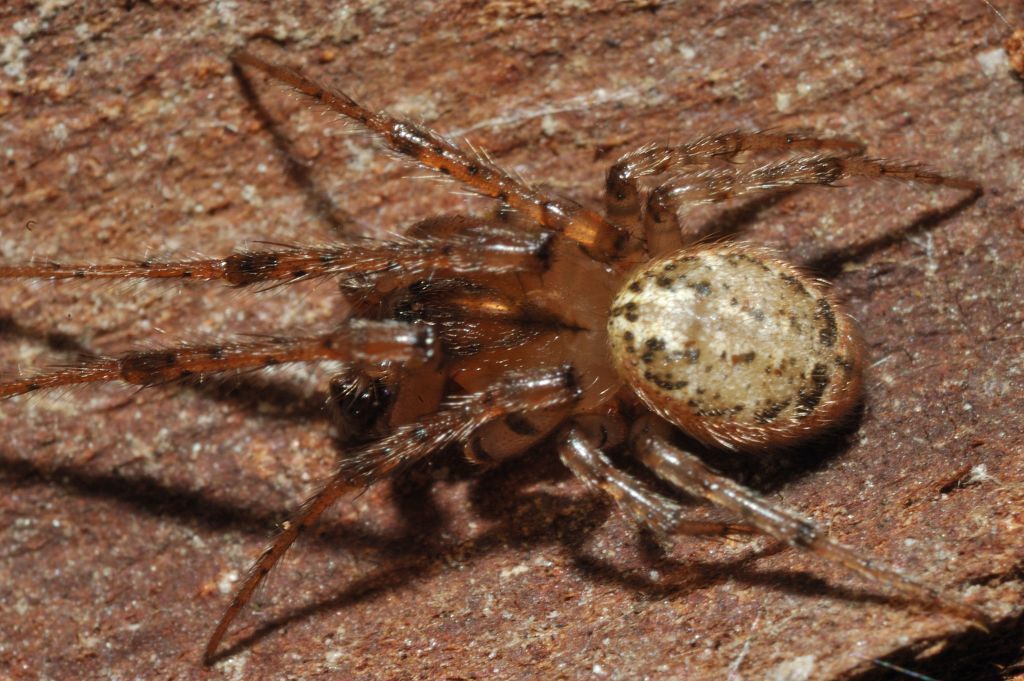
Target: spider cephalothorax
[{"x": 553, "y": 320}]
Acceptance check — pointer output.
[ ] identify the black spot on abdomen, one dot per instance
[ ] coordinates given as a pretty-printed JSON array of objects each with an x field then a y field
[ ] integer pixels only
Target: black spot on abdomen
[
  {"x": 810, "y": 395},
  {"x": 830, "y": 330}
]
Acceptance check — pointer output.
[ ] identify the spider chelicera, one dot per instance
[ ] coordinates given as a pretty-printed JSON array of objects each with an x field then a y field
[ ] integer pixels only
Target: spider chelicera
[{"x": 552, "y": 321}]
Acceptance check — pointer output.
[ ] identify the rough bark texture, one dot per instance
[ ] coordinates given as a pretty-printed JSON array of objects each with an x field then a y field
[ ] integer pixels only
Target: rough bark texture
[{"x": 125, "y": 517}]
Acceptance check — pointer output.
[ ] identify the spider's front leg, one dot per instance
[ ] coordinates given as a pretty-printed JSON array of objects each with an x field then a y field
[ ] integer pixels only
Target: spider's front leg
[
  {"x": 455, "y": 421},
  {"x": 597, "y": 236},
  {"x": 685, "y": 471},
  {"x": 475, "y": 246},
  {"x": 359, "y": 341}
]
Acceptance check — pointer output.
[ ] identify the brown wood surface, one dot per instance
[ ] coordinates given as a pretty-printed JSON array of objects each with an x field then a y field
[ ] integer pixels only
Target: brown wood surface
[{"x": 124, "y": 516}]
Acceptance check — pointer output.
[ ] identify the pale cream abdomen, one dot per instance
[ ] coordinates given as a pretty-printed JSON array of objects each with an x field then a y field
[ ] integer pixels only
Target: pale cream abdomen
[{"x": 736, "y": 347}]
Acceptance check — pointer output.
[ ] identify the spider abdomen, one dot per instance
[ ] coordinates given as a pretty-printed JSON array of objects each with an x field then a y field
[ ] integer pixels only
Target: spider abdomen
[{"x": 736, "y": 347}]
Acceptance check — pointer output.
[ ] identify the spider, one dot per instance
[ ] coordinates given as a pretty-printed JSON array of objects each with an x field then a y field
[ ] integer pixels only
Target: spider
[{"x": 551, "y": 321}]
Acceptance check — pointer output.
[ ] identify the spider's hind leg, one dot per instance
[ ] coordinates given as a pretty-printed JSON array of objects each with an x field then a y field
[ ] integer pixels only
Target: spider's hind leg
[
  {"x": 580, "y": 446},
  {"x": 687, "y": 472},
  {"x": 696, "y": 178},
  {"x": 624, "y": 203},
  {"x": 661, "y": 219}
]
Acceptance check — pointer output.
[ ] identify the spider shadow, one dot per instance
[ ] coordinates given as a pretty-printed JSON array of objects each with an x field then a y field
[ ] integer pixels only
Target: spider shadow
[
  {"x": 572, "y": 523},
  {"x": 267, "y": 398},
  {"x": 263, "y": 397},
  {"x": 831, "y": 263},
  {"x": 54, "y": 340},
  {"x": 179, "y": 504},
  {"x": 768, "y": 472},
  {"x": 729, "y": 224},
  {"x": 992, "y": 655},
  {"x": 318, "y": 201},
  {"x": 523, "y": 516}
]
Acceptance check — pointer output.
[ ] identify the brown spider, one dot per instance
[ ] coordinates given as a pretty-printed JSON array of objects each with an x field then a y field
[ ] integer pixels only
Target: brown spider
[{"x": 553, "y": 320}]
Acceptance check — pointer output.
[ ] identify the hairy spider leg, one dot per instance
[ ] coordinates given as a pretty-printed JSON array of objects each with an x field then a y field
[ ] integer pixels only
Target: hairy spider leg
[
  {"x": 693, "y": 182},
  {"x": 580, "y": 450},
  {"x": 623, "y": 200},
  {"x": 479, "y": 247},
  {"x": 661, "y": 218},
  {"x": 454, "y": 422},
  {"x": 690, "y": 474},
  {"x": 356, "y": 341},
  {"x": 597, "y": 236}
]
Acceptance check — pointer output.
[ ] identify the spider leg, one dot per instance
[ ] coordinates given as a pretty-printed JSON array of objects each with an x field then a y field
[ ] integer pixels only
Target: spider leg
[
  {"x": 623, "y": 202},
  {"x": 487, "y": 249},
  {"x": 580, "y": 451},
  {"x": 477, "y": 248},
  {"x": 356, "y": 341},
  {"x": 689, "y": 473},
  {"x": 661, "y": 220},
  {"x": 601, "y": 239},
  {"x": 469, "y": 317},
  {"x": 455, "y": 421}
]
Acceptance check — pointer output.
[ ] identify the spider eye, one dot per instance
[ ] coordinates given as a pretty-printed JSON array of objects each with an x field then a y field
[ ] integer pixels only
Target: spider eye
[{"x": 735, "y": 347}]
